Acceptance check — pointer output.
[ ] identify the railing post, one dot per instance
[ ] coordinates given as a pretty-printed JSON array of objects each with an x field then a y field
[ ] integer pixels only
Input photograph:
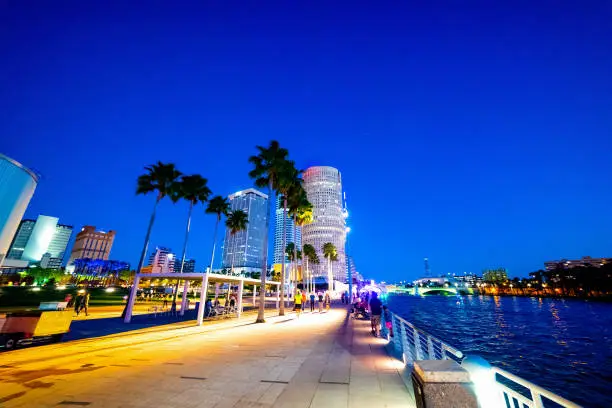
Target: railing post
[
  {"x": 397, "y": 343},
  {"x": 405, "y": 346},
  {"x": 417, "y": 344},
  {"x": 537, "y": 399},
  {"x": 430, "y": 349}
]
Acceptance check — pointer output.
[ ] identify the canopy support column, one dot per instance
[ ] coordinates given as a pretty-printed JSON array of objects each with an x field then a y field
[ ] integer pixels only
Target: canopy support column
[
  {"x": 184, "y": 298},
  {"x": 203, "y": 297},
  {"x": 240, "y": 289}
]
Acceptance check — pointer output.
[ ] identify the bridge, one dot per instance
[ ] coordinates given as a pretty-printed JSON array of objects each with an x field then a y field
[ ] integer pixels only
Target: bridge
[{"x": 424, "y": 290}]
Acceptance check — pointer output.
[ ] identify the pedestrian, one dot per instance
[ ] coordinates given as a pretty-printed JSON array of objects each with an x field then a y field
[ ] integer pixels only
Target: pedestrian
[
  {"x": 84, "y": 305},
  {"x": 77, "y": 304},
  {"x": 166, "y": 300},
  {"x": 342, "y": 298},
  {"x": 68, "y": 300},
  {"x": 297, "y": 307},
  {"x": 388, "y": 320},
  {"x": 312, "y": 302},
  {"x": 375, "y": 312},
  {"x": 327, "y": 301},
  {"x": 320, "y": 302}
]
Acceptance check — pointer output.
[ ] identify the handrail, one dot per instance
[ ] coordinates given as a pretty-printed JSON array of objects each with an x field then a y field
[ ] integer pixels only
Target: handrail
[
  {"x": 417, "y": 344},
  {"x": 536, "y": 391}
]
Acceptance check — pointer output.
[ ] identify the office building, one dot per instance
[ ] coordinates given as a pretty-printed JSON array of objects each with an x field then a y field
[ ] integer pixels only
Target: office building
[
  {"x": 41, "y": 237},
  {"x": 17, "y": 185},
  {"x": 188, "y": 267},
  {"x": 290, "y": 231},
  {"x": 245, "y": 248},
  {"x": 92, "y": 244},
  {"x": 162, "y": 260},
  {"x": 573, "y": 263},
  {"x": 495, "y": 275},
  {"x": 323, "y": 187}
]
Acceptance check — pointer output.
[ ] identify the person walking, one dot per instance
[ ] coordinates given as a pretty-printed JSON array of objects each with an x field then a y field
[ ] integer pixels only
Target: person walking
[
  {"x": 312, "y": 302},
  {"x": 375, "y": 312},
  {"x": 320, "y": 302},
  {"x": 327, "y": 301},
  {"x": 297, "y": 307},
  {"x": 84, "y": 305},
  {"x": 77, "y": 304}
]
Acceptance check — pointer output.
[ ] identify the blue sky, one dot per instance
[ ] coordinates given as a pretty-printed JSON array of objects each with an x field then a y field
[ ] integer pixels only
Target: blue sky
[{"x": 477, "y": 134}]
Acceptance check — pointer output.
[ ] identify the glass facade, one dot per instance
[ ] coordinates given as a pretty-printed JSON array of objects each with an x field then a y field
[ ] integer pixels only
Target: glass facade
[
  {"x": 279, "y": 252},
  {"x": 245, "y": 248},
  {"x": 17, "y": 185}
]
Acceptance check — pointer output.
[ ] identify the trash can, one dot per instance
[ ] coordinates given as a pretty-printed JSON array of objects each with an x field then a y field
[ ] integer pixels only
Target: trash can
[{"x": 442, "y": 384}]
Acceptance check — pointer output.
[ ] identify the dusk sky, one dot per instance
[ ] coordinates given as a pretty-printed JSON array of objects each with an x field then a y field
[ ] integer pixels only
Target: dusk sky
[{"x": 477, "y": 134}]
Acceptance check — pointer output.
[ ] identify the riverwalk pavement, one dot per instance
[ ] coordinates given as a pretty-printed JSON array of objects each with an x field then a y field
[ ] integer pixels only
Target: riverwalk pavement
[{"x": 316, "y": 360}]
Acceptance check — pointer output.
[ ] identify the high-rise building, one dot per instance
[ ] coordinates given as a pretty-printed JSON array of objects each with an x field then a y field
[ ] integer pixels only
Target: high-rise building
[
  {"x": 323, "y": 187},
  {"x": 36, "y": 238},
  {"x": 245, "y": 248},
  {"x": 162, "y": 260},
  {"x": 290, "y": 231},
  {"x": 92, "y": 244},
  {"x": 495, "y": 275},
  {"x": 17, "y": 185},
  {"x": 188, "y": 266}
]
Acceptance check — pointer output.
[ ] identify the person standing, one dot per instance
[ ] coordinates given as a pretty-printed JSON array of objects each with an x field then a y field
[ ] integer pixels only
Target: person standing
[
  {"x": 320, "y": 302},
  {"x": 327, "y": 301},
  {"x": 375, "y": 312},
  {"x": 297, "y": 307},
  {"x": 388, "y": 320},
  {"x": 77, "y": 304}
]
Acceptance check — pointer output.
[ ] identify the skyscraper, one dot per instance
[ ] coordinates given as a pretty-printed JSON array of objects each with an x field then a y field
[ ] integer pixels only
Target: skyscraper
[
  {"x": 17, "y": 185},
  {"x": 323, "y": 187},
  {"x": 245, "y": 248},
  {"x": 162, "y": 260},
  {"x": 188, "y": 266},
  {"x": 279, "y": 251},
  {"x": 92, "y": 244},
  {"x": 45, "y": 236}
]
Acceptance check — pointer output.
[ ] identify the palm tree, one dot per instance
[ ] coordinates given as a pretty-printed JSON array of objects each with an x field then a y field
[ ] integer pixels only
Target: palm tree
[
  {"x": 310, "y": 255},
  {"x": 195, "y": 190},
  {"x": 219, "y": 206},
  {"x": 160, "y": 178},
  {"x": 287, "y": 182},
  {"x": 330, "y": 252},
  {"x": 236, "y": 221},
  {"x": 290, "y": 253},
  {"x": 268, "y": 163},
  {"x": 300, "y": 209}
]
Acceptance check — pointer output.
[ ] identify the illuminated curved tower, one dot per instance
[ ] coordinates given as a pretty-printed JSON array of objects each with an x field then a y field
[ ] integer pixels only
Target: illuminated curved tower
[{"x": 323, "y": 187}]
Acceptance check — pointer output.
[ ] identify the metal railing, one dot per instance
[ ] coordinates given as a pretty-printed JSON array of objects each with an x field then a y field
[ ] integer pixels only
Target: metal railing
[
  {"x": 417, "y": 344},
  {"x": 518, "y": 392},
  {"x": 513, "y": 391}
]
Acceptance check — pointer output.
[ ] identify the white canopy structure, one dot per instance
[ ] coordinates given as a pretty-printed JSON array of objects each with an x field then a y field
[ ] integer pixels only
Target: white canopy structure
[{"x": 206, "y": 278}]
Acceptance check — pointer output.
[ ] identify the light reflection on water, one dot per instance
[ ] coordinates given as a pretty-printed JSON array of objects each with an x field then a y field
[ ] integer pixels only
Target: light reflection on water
[{"x": 562, "y": 345}]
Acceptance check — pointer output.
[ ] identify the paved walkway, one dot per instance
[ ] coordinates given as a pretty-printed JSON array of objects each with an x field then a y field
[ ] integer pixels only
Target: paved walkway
[{"x": 318, "y": 360}]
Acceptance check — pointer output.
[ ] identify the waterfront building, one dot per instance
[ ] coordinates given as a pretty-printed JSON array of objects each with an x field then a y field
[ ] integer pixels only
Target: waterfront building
[
  {"x": 292, "y": 233},
  {"x": 574, "y": 263},
  {"x": 469, "y": 280},
  {"x": 41, "y": 237},
  {"x": 92, "y": 244},
  {"x": 161, "y": 260},
  {"x": 498, "y": 275},
  {"x": 188, "y": 266},
  {"x": 99, "y": 267},
  {"x": 17, "y": 185},
  {"x": 245, "y": 248},
  {"x": 323, "y": 187}
]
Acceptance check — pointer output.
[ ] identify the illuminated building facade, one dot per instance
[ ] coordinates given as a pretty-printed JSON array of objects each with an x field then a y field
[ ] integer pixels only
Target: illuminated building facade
[
  {"x": 92, "y": 244},
  {"x": 495, "y": 275},
  {"x": 245, "y": 248},
  {"x": 279, "y": 252},
  {"x": 17, "y": 185},
  {"x": 323, "y": 187},
  {"x": 162, "y": 260},
  {"x": 42, "y": 240},
  {"x": 188, "y": 266},
  {"x": 573, "y": 263}
]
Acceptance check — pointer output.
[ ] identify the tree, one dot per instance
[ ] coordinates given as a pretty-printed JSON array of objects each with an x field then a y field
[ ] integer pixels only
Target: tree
[
  {"x": 330, "y": 252},
  {"x": 267, "y": 165},
  {"x": 301, "y": 211},
  {"x": 219, "y": 206},
  {"x": 193, "y": 189},
  {"x": 287, "y": 179},
  {"x": 236, "y": 221},
  {"x": 161, "y": 178},
  {"x": 310, "y": 256}
]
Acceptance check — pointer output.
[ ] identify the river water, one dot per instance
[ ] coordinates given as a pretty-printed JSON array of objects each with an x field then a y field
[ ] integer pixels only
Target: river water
[{"x": 562, "y": 345}]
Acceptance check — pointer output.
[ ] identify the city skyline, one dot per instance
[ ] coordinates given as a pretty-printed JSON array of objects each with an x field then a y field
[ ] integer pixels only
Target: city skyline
[{"x": 487, "y": 129}]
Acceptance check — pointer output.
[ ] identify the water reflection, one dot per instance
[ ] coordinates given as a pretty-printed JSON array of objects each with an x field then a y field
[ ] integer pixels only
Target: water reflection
[{"x": 565, "y": 346}]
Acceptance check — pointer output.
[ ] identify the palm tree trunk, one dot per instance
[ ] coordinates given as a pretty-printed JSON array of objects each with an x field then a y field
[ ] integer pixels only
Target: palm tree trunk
[
  {"x": 305, "y": 259},
  {"x": 212, "y": 258},
  {"x": 145, "y": 246},
  {"x": 182, "y": 257},
  {"x": 264, "y": 269},
  {"x": 281, "y": 311}
]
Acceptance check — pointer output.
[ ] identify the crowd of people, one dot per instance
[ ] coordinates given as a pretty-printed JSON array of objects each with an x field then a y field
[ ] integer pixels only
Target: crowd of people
[{"x": 321, "y": 299}]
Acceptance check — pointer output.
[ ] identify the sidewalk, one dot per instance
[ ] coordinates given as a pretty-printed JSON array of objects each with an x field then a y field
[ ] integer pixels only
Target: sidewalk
[{"x": 318, "y": 360}]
